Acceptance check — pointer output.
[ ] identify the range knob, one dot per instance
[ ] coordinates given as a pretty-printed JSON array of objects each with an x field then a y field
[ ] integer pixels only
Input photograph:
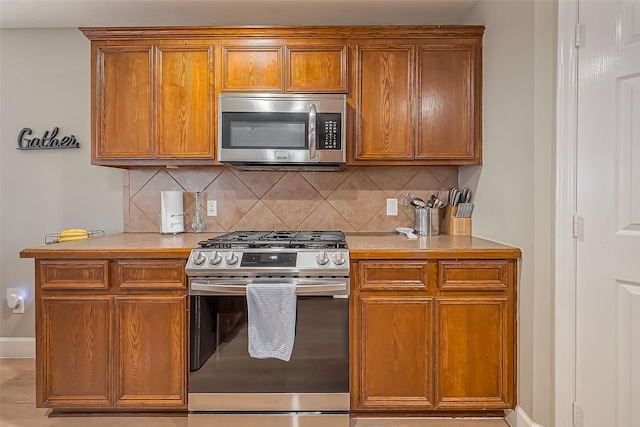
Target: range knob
[
  {"x": 322, "y": 258},
  {"x": 232, "y": 259},
  {"x": 339, "y": 258},
  {"x": 199, "y": 258},
  {"x": 215, "y": 259}
]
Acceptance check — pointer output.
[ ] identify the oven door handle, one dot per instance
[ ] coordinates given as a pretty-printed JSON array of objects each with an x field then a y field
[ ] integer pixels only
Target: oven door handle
[{"x": 204, "y": 288}]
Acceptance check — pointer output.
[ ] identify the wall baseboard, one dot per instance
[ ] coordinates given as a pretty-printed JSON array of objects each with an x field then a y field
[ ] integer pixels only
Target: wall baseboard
[
  {"x": 17, "y": 347},
  {"x": 519, "y": 418}
]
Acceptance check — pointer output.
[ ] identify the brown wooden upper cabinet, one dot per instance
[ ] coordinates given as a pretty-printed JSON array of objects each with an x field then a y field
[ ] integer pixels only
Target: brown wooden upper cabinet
[
  {"x": 418, "y": 101},
  {"x": 414, "y": 92},
  {"x": 153, "y": 104},
  {"x": 284, "y": 67}
]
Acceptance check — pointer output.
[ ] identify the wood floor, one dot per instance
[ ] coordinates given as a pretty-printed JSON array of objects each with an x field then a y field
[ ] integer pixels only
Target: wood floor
[{"x": 17, "y": 408}]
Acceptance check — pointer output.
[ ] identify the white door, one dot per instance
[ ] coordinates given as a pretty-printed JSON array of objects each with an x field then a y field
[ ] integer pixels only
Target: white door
[{"x": 608, "y": 198}]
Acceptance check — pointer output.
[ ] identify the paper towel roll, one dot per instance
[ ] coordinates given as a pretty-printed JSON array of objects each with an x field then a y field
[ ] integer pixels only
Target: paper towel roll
[{"x": 172, "y": 212}]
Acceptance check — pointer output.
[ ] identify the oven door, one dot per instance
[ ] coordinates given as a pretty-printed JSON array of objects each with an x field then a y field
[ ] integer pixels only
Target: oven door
[{"x": 224, "y": 378}]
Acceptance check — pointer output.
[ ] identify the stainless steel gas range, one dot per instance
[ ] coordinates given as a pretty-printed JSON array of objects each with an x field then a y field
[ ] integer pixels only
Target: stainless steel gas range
[{"x": 312, "y": 386}]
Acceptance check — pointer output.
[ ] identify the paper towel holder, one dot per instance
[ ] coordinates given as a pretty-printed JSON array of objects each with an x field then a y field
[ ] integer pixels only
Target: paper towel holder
[{"x": 171, "y": 212}]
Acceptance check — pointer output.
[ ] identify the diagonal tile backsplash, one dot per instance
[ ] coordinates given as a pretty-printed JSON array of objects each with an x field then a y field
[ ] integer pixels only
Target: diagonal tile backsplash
[{"x": 352, "y": 200}]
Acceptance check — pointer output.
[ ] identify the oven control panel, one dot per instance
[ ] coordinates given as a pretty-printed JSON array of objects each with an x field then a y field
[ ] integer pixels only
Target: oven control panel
[{"x": 213, "y": 261}]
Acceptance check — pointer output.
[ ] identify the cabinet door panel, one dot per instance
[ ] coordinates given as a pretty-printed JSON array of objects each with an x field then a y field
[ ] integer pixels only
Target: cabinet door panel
[
  {"x": 252, "y": 68},
  {"x": 396, "y": 353},
  {"x": 150, "y": 361},
  {"x": 316, "y": 69},
  {"x": 74, "y": 352},
  {"x": 150, "y": 274},
  {"x": 447, "y": 103},
  {"x": 484, "y": 275},
  {"x": 393, "y": 275},
  {"x": 185, "y": 102},
  {"x": 384, "y": 116},
  {"x": 124, "y": 114},
  {"x": 64, "y": 274},
  {"x": 473, "y": 365}
]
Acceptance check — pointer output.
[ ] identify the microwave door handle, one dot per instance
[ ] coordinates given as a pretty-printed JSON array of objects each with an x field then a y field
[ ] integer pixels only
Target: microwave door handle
[{"x": 312, "y": 131}]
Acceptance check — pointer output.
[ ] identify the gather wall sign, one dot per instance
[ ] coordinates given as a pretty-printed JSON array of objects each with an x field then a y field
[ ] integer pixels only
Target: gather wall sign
[{"x": 49, "y": 140}]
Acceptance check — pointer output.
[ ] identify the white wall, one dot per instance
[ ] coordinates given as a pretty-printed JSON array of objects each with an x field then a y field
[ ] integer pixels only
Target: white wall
[
  {"x": 45, "y": 82},
  {"x": 514, "y": 187}
]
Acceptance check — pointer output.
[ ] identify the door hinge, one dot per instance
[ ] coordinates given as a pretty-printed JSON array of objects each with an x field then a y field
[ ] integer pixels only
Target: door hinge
[
  {"x": 578, "y": 36},
  {"x": 578, "y": 226},
  {"x": 576, "y": 414}
]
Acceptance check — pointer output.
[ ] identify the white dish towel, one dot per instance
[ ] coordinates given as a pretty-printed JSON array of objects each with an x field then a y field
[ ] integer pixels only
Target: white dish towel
[{"x": 271, "y": 311}]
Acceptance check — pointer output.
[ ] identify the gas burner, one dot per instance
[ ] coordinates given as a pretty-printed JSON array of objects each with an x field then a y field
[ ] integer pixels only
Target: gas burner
[{"x": 277, "y": 240}]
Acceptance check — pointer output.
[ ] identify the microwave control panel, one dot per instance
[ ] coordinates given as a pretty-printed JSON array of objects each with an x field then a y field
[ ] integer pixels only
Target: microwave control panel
[{"x": 329, "y": 131}]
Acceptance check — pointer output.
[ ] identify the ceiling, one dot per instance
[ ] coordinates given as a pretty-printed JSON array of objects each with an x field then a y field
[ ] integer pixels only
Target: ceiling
[{"x": 119, "y": 13}]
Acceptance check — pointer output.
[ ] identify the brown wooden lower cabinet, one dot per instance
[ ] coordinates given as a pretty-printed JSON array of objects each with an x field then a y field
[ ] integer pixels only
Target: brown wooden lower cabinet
[
  {"x": 425, "y": 340},
  {"x": 396, "y": 345},
  {"x": 473, "y": 353},
  {"x": 150, "y": 357},
  {"x": 74, "y": 352},
  {"x": 120, "y": 346}
]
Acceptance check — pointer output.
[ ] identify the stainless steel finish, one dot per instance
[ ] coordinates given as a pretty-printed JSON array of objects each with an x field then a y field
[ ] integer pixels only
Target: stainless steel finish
[
  {"x": 269, "y": 420},
  {"x": 269, "y": 401},
  {"x": 216, "y": 259},
  {"x": 271, "y": 158},
  {"x": 322, "y": 258},
  {"x": 238, "y": 286},
  {"x": 308, "y": 262},
  {"x": 199, "y": 259},
  {"x": 312, "y": 131},
  {"x": 314, "y": 384},
  {"x": 232, "y": 259}
]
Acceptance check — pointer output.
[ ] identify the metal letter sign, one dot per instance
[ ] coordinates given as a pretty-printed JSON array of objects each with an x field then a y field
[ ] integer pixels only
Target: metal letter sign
[{"x": 46, "y": 142}]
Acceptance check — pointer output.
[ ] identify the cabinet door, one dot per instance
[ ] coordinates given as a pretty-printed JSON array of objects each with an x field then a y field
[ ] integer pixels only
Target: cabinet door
[
  {"x": 123, "y": 110},
  {"x": 474, "y": 354},
  {"x": 74, "y": 352},
  {"x": 384, "y": 111},
  {"x": 185, "y": 82},
  {"x": 151, "y": 346},
  {"x": 449, "y": 88},
  {"x": 252, "y": 68},
  {"x": 395, "y": 354},
  {"x": 316, "y": 69}
]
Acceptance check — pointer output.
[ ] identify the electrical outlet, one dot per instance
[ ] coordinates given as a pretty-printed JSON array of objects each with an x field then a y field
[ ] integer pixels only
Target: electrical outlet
[
  {"x": 212, "y": 208},
  {"x": 392, "y": 207}
]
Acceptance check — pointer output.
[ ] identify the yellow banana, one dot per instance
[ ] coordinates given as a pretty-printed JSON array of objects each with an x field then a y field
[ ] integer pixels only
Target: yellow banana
[
  {"x": 74, "y": 231},
  {"x": 72, "y": 234}
]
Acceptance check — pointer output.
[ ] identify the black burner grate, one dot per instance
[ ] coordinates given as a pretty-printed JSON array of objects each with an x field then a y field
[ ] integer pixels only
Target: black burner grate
[{"x": 277, "y": 239}]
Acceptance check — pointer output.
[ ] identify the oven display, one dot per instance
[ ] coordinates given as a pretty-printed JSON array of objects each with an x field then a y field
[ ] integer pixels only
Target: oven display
[{"x": 268, "y": 259}]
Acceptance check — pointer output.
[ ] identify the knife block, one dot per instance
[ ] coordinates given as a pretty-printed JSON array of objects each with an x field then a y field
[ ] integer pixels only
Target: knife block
[{"x": 456, "y": 226}]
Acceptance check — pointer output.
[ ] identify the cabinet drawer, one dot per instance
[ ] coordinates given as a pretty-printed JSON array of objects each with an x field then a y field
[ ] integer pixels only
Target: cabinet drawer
[
  {"x": 73, "y": 274},
  {"x": 393, "y": 275},
  {"x": 473, "y": 275},
  {"x": 150, "y": 274}
]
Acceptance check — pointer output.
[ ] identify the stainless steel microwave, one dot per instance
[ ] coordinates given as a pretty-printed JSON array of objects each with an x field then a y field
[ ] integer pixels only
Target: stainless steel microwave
[{"x": 282, "y": 131}]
